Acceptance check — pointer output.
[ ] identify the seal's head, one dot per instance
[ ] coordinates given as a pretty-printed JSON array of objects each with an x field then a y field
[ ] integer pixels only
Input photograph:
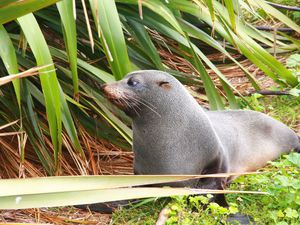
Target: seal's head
[{"x": 145, "y": 91}]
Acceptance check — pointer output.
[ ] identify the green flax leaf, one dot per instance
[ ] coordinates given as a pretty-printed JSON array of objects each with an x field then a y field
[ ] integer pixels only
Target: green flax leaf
[
  {"x": 110, "y": 32},
  {"x": 48, "y": 79},
  {"x": 66, "y": 11}
]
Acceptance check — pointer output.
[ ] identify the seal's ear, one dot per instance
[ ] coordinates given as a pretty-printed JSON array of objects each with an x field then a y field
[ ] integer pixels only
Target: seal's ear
[{"x": 164, "y": 84}]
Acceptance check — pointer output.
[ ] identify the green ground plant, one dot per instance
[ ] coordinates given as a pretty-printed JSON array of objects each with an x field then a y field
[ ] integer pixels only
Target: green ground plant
[
  {"x": 281, "y": 180},
  {"x": 294, "y": 15},
  {"x": 281, "y": 206}
]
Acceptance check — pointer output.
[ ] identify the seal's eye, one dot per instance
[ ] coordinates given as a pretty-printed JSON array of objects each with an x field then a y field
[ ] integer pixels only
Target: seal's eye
[
  {"x": 162, "y": 83},
  {"x": 132, "y": 82}
]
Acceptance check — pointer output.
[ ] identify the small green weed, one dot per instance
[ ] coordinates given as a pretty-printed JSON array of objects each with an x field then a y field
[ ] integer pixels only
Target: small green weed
[
  {"x": 293, "y": 64},
  {"x": 143, "y": 213},
  {"x": 198, "y": 210}
]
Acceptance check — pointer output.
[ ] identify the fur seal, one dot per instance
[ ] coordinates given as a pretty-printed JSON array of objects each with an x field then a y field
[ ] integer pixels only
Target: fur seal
[{"x": 173, "y": 134}]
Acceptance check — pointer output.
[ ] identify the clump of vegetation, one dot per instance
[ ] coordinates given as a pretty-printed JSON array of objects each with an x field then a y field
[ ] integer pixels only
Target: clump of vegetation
[
  {"x": 198, "y": 210},
  {"x": 146, "y": 212},
  {"x": 293, "y": 64},
  {"x": 283, "y": 108},
  {"x": 280, "y": 206},
  {"x": 281, "y": 181},
  {"x": 294, "y": 15}
]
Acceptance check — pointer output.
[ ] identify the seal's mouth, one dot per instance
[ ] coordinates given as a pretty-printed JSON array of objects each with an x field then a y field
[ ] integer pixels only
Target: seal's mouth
[{"x": 116, "y": 95}]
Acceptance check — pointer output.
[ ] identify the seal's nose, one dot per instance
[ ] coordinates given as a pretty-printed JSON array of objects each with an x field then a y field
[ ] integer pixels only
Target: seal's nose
[{"x": 102, "y": 87}]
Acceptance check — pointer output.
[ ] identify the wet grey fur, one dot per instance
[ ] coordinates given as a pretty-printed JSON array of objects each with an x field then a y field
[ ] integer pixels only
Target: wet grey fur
[{"x": 176, "y": 136}]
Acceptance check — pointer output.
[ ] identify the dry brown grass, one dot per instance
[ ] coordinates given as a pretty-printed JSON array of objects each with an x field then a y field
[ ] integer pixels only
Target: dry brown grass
[{"x": 57, "y": 216}]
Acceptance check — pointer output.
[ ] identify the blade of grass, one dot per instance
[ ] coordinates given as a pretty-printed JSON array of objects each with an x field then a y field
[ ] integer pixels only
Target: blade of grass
[
  {"x": 27, "y": 73},
  {"x": 66, "y": 115},
  {"x": 140, "y": 34},
  {"x": 65, "y": 8},
  {"x": 231, "y": 13},
  {"x": 33, "y": 129},
  {"x": 210, "y": 6},
  {"x": 110, "y": 32},
  {"x": 251, "y": 49},
  {"x": 91, "y": 70},
  {"x": 199, "y": 34},
  {"x": 88, "y": 25},
  {"x": 69, "y": 124},
  {"x": 8, "y": 55},
  {"x": 275, "y": 13},
  {"x": 213, "y": 96},
  {"x": 12, "y": 187},
  {"x": 282, "y": 74},
  {"x": 10, "y": 10},
  {"x": 98, "y": 196},
  {"x": 161, "y": 9},
  {"x": 48, "y": 79}
]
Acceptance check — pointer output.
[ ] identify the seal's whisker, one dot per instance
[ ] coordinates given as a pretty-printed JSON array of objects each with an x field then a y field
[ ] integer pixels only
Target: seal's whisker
[
  {"x": 149, "y": 107},
  {"x": 131, "y": 106},
  {"x": 139, "y": 100},
  {"x": 148, "y": 103}
]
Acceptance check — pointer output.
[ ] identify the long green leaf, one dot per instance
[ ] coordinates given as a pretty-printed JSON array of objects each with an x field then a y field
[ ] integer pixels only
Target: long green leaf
[
  {"x": 10, "y": 10},
  {"x": 210, "y": 6},
  {"x": 8, "y": 55},
  {"x": 213, "y": 96},
  {"x": 251, "y": 49},
  {"x": 10, "y": 187},
  {"x": 244, "y": 39},
  {"x": 231, "y": 13},
  {"x": 61, "y": 191},
  {"x": 33, "y": 130},
  {"x": 140, "y": 34},
  {"x": 110, "y": 31},
  {"x": 159, "y": 8},
  {"x": 276, "y": 13},
  {"x": 98, "y": 196},
  {"x": 69, "y": 124},
  {"x": 84, "y": 66},
  {"x": 66, "y": 11},
  {"x": 199, "y": 34},
  {"x": 48, "y": 79}
]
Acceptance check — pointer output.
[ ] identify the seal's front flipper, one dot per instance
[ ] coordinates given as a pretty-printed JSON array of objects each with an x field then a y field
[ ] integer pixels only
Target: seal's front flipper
[{"x": 221, "y": 200}]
